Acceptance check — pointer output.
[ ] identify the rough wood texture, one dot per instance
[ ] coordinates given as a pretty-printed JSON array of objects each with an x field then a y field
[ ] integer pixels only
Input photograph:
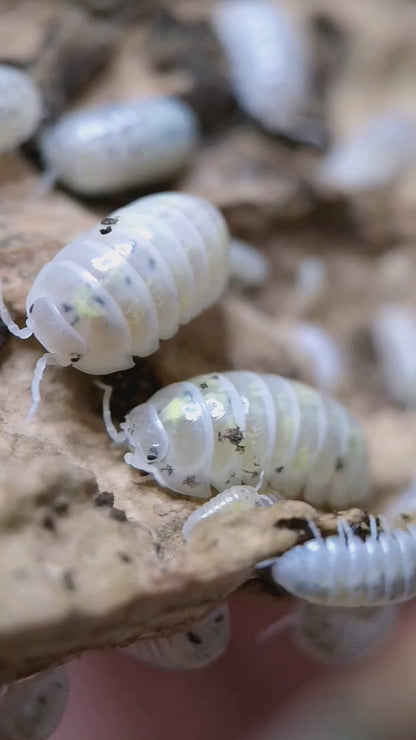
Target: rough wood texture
[{"x": 91, "y": 552}]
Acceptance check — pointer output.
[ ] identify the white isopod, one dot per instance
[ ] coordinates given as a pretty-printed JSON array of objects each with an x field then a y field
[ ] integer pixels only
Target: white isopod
[
  {"x": 112, "y": 147},
  {"x": 133, "y": 279},
  {"x": 314, "y": 346},
  {"x": 394, "y": 336},
  {"x": 203, "y": 643},
  {"x": 267, "y": 57},
  {"x": 310, "y": 283},
  {"x": 31, "y": 709},
  {"x": 236, "y": 498},
  {"x": 248, "y": 266},
  {"x": 240, "y": 427},
  {"x": 20, "y": 107},
  {"x": 352, "y": 569},
  {"x": 372, "y": 158}
]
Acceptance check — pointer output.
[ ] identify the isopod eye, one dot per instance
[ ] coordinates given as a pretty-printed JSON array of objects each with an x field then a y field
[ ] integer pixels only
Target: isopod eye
[
  {"x": 153, "y": 453},
  {"x": 145, "y": 434}
]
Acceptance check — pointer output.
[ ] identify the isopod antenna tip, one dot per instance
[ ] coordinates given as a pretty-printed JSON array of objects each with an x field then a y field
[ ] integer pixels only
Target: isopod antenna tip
[
  {"x": 24, "y": 333},
  {"x": 116, "y": 436},
  {"x": 46, "y": 359}
]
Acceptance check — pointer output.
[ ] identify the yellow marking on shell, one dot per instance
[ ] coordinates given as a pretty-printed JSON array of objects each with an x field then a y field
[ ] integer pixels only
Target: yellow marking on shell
[
  {"x": 85, "y": 306},
  {"x": 173, "y": 411}
]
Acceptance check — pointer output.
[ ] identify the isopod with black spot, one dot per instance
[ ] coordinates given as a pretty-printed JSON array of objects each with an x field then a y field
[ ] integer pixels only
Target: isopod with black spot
[
  {"x": 239, "y": 428},
  {"x": 21, "y": 107},
  {"x": 268, "y": 60},
  {"x": 32, "y": 708},
  {"x": 200, "y": 645},
  {"x": 352, "y": 568},
  {"x": 133, "y": 279},
  {"x": 119, "y": 145},
  {"x": 236, "y": 499}
]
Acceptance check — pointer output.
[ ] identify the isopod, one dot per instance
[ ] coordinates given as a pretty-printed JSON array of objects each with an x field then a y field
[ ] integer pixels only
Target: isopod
[
  {"x": 321, "y": 352},
  {"x": 236, "y": 498},
  {"x": 373, "y": 157},
  {"x": 337, "y": 634},
  {"x": 31, "y": 709},
  {"x": 310, "y": 283},
  {"x": 133, "y": 279},
  {"x": 119, "y": 145},
  {"x": 202, "y": 644},
  {"x": 352, "y": 569},
  {"x": 20, "y": 107},
  {"x": 394, "y": 337},
  {"x": 248, "y": 266},
  {"x": 233, "y": 428},
  {"x": 268, "y": 61}
]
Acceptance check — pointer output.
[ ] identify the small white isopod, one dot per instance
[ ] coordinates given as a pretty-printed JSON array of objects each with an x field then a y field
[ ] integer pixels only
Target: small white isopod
[
  {"x": 20, "y": 107},
  {"x": 240, "y": 428},
  {"x": 313, "y": 345},
  {"x": 268, "y": 61},
  {"x": 31, "y": 709},
  {"x": 248, "y": 265},
  {"x": 352, "y": 569},
  {"x": 394, "y": 337},
  {"x": 199, "y": 646},
  {"x": 373, "y": 157},
  {"x": 133, "y": 279},
  {"x": 236, "y": 498},
  {"x": 119, "y": 145},
  {"x": 310, "y": 283}
]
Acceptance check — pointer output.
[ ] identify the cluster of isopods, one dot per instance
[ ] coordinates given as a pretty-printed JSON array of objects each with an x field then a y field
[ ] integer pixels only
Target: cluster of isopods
[{"x": 118, "y": 289}]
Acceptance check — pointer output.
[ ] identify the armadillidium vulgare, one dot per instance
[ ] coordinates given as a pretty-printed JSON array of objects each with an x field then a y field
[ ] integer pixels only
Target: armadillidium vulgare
[
  {"x": 199, "y": 646},
  {"x": 238, "y": 428},
  {"x": 133, "y": 279},
  {"x": 236, "y": 498},
  {"x": 394, "y": 337},
  {"x": 20, "y": 107},
  {"x": 337, "y": 634},
  {"x": 352, "y": 568},
  {"x": 120, "y": 145},
  {"x": 268, "y": 61},
  {"x": 31, "y": 709},
  {"x": 373, "y": 157}
]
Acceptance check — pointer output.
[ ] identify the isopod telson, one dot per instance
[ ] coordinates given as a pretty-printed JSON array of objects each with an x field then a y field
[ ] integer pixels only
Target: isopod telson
[
  {"x": 267, "y": 57},
  {"x": 236, "y": 498},
  {"x": 20, "y": 107},
  {"x": 133, "y": 279},
  {"x": 120, "y": 145},
  {"x": 394, "y": 336},
  {"x": 233, "y": 428},
  {"x": 352, "y": 569},
  {"x": 199, "y": 646},
  {"x": 31, "y": 709}
]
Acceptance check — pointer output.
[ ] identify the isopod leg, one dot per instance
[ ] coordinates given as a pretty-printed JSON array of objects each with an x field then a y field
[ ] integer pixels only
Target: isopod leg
[
  {"x": 24, "y": 333},
  {"x": 289, "y": 620},
  {"x": 111, "y": 430},
  {"x": 46, "y": 359}
]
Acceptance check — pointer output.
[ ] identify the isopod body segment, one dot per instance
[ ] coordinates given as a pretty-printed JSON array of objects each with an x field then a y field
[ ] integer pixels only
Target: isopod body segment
[
  {"x": 238, "y": 428},
  {"x": 199, "y": 646},
  {"x": 31, "y": 709},
  {"x": 119, "y": 145},
  {"x": 351, "y": 569},
  {"x": 20, "y": 107},
  {"x": 115, "y": 291}
]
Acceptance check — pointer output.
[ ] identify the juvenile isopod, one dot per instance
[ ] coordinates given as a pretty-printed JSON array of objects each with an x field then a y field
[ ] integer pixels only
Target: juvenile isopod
[
  {"x": 20, "y": 107},
  {"x": 238, "y": 428},
  {"x": 394, "y": 337},
  {"x": 321, "y": 352},
  {"x": 31, "y": 709},
  {"x": 310, "y": 283},
  {"x": 267, "y": 57},
  {"x": 133, "y": 279},
  {"x": 119, "y": 145},
  {"x": 248, "y": 266},
  {"x": 333, "y": 634},
  {"x": 352, "y": 569},
  {"x": 199, "y": 646},
  {"x": 373, "y": 157},
  {"x": 236, "y": 498}
]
